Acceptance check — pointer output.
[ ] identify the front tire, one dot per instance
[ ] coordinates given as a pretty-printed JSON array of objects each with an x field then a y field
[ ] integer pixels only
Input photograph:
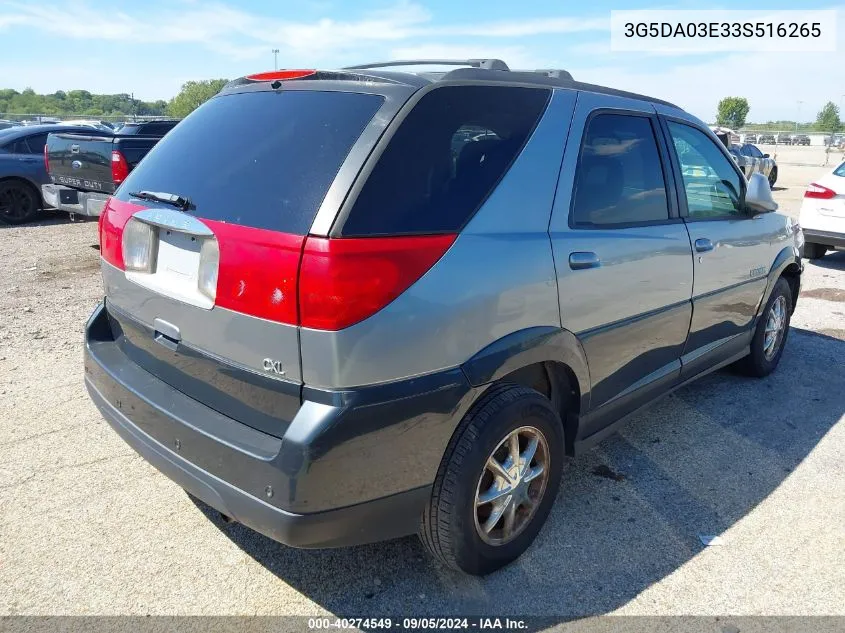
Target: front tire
[
  {"x": 497, "y": 481},
  {"x": 773, "y": 177},
  {"x": 771, "y": 333},
  {"x": 814, "y": 251}
]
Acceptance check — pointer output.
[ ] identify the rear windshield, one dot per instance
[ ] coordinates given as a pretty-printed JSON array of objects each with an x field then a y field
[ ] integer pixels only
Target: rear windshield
[
  {"x": 840, "y": 171},
  {"x": 259, "y": 159},
  {"x": 447, "y": 156}
]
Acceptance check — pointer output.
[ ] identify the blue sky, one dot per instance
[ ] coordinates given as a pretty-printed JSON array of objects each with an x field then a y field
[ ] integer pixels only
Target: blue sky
[{"x": 150, "y": 48}]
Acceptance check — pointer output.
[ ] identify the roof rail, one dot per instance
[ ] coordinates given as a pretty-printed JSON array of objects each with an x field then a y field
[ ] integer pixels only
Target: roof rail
[
  {"x": 557, "y": 73},
  {"x": 489, "y": 64}
]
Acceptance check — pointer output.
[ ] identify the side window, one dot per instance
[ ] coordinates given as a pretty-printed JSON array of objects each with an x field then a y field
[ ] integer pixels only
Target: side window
[
  {"x": 36, "y": 143},
  {"x": 446, "y": 157},
  {"x": 713, "y": 187},
  {"x": 619, "y": 178},
  {"x": 753, "y": 151}
]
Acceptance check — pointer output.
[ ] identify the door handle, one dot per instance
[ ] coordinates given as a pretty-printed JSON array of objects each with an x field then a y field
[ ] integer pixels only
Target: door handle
[
  {"x": 702, "y": 245},
  {"x": 582, "y": 260}
]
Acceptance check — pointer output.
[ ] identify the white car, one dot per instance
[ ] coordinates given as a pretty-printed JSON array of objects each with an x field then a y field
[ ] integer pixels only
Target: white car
[{"x": 823, "y": 214}]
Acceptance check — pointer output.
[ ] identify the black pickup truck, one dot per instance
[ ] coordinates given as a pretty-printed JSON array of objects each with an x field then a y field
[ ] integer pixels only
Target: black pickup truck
[{"x": 84, "y": 170}]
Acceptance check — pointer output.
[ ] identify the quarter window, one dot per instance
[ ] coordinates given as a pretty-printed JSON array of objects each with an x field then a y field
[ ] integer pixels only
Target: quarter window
[
  {"x": 712, "y": 186},
  {"x": 619, "y": 178},
  {"x": 445, "y": 158}
]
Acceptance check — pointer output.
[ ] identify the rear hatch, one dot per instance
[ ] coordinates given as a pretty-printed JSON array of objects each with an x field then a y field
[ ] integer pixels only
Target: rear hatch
[
  {"x": 82, "y": 162},
  {"x": 202, "y": 243}
]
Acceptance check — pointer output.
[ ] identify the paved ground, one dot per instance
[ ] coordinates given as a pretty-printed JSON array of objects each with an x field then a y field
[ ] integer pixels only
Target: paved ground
[{"x": 87, "y": 527}]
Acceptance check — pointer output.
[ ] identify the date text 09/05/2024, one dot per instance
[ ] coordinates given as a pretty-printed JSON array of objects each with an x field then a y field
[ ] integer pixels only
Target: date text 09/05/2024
[{"x": 422, "y": 623}]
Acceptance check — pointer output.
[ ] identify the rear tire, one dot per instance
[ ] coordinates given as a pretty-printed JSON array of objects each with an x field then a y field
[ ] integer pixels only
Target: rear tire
[
  {"x": 771, "y": 333},
  {"x": 454, "y": 527},
  {"x": 19, "y": 202},
  {"x": 814, "y": 251}
]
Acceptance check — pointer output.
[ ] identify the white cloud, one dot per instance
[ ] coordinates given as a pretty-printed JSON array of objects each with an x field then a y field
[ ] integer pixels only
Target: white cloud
[{"x": 220, "y": 26}]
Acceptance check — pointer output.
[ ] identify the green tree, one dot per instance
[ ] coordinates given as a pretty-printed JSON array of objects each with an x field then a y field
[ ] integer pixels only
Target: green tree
[
  {"x": 193, "y": 95},
  {"x": 828, "y": 119},
  {"x": 732, "y": 112}
]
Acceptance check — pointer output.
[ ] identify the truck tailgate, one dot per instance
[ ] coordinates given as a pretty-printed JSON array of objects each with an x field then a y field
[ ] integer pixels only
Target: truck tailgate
[{"x": 83, "y": 162}]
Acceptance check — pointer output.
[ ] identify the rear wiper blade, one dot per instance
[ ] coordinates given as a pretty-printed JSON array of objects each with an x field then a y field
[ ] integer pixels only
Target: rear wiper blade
[{"x": 173, "y": 199}]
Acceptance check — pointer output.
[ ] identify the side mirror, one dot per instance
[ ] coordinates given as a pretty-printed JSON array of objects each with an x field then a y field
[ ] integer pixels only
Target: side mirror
[
  {"x": 765, "y": 155},
  {"x": 758, "y": 195}
]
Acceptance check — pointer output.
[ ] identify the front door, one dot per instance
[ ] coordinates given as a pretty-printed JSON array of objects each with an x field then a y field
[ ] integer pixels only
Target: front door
[{"x": 731, "y": 249}]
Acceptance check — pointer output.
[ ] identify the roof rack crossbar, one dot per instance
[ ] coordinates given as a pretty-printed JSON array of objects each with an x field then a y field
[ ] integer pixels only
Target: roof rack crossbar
[{"x": 489, "y": 64}]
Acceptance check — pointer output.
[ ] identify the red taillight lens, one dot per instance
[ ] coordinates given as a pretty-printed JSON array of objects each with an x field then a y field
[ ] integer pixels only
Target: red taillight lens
[
  {"x": 815, "y": 190},
  {"x": 257, "y": 271},
  {"x": 344, "y": 281},
  {"x": 281, "y": 75},
  {"x": 113, "y": 219},
  {"x": 46, "y": 159},
  {"x": 119, "y": 167}
]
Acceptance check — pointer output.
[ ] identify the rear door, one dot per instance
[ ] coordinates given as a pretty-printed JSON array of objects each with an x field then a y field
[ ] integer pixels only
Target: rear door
[
  {"x": 623, "y": 258},
  {"x": 732, "y": 250},
  {"x": 248, "y": 173}
]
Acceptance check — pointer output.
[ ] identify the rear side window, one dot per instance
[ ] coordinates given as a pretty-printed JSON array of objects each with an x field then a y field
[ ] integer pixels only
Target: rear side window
[
  {"x": 259, "y": 159},
  {"x": 619, "y": 178},
  {"x": 840, "y": 171},
  {"x": 444, "y": 160},
  {"x": 36, "y": 143}
]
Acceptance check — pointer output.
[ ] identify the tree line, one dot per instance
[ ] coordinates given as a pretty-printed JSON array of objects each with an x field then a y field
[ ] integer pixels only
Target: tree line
[
  {"x": 83, "y": 102},
  {"x": 732, "y": 112}
]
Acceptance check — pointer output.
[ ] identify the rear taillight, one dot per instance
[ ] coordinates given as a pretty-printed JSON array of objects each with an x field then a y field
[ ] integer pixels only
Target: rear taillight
[
  {"x": 817, "y": 191},
  {"x": 257, "y": 271},
  {"x": 139, "y": 241},
  {"x": 46, "y": 159},
  {"x": 112, "y": 221},
  {"x": 119, "y": 167},
  {"x": 344, "y": 281}
]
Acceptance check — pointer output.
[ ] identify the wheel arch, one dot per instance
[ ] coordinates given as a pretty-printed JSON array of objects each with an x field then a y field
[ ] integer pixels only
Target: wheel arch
[
  {"x": 548, "y": 359},
  {"x": 788, "y": 265}
]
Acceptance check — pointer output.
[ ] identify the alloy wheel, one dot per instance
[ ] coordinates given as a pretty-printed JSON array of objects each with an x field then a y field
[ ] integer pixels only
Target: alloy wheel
[
  {"x": 512, "y": 485},
  {"x": 775, "y": 327}
]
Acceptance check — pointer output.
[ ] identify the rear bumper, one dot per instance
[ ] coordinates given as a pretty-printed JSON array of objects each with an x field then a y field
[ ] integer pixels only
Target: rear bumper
[
  {"x": 89, "y": 203},
  {"x": 827, "y": 238},
  {"x": 328, "y": 455}
]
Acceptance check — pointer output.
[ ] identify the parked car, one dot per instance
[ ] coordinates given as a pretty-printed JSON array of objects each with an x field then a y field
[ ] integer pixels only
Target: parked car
[
  {"x": 86, "y": 168},
  {"x": 822, "y": 215},
  {"x": 751, "y": 160},
  {"x": 750, "y": 138},
  {"x": 6, "y": 124},
  {"x": 801, "y": 139},
  {"x": 767, "y": 139},
  {"x": 784, "y": 139},
  {"x": 22, "y": 171},
  {"x": 320, "y": 324}
]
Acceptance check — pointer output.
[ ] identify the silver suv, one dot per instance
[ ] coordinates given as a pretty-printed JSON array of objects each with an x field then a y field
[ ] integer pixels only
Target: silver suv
[{"x": 346, "y": 306}]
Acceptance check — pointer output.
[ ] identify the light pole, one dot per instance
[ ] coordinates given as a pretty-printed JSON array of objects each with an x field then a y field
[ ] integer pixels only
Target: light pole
[
  {"x": 275, "y": 59},
  {"x": 799, "y": 116}
]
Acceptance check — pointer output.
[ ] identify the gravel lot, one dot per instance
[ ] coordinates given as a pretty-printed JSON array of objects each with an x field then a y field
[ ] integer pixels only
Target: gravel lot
[{"x": 87, "y": 527}]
